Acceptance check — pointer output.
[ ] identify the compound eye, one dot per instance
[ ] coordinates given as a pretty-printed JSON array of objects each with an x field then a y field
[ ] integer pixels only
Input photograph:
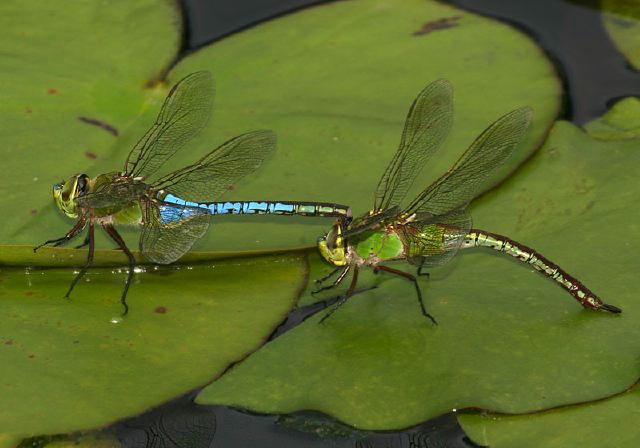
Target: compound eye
[
  {"x": 332, "y": 238},
  {"x": 81, "y": 187},
  {"x": 331, "y": 241}
]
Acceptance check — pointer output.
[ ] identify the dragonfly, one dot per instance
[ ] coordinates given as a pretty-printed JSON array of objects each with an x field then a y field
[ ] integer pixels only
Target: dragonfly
[
  {"x": 173, "y": 210},
  {"x": 436, "y": 224}
]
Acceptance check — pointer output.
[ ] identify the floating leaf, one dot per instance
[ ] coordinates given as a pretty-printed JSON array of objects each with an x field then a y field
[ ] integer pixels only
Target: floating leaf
[
  {"x": 7, "y": 441},
  {"x": 338, "y": 117},
  {"x": 622, "y": 21},
  {"x": 508, "y": 339},
  {"x": 87, "y": 60},
  {"x": 69, "y": 365},
  {"x": 621, "y": 123},
  {"x": 611, "y": 422}
]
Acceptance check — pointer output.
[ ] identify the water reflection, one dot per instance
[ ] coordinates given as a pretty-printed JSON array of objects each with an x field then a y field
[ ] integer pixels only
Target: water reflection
[{"x": 183, "y": 424}]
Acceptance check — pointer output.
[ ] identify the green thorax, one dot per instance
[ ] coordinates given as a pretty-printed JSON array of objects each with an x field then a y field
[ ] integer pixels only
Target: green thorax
[
  {"x": 380, "y": 245},
  {"x": 126, "y": 213}
]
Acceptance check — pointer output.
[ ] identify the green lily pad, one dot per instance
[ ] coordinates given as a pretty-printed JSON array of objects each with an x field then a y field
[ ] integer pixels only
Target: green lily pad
[
  {"x": 622, "y": 22},
  {"x": 66, "y": 70},
  {"x": 508, "y": 339},
  {"x": 87, "y": 60},
  {"x": 334, "y": 81},
  {"x": 68, "y": 365},
  {"x": 7, "y": 441},
  {"x": 611, "y": 422},
  {"x": 620, "y": 123}
]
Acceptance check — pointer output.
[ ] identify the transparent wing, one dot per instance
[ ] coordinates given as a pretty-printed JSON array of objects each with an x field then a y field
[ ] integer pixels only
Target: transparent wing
[
  {"x": 114, "y": 194},
  {"x": 427, "y": 125},
  {"x": 458, "y": 186},
  {"x": 185, "y": 112},
  {"x": 170, "y": 231},
  {"x": 433, "y": 240},
  {"x": 367, "y": 222},
  {"x": 208, "y": 178}
]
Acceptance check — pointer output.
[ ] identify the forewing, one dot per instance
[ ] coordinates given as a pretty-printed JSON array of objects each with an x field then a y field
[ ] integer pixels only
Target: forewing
[
  {"x": 367, "y": 222},
  {"x": 115, "y": 194},
  {"x": 433, "y": 240},
  {"x": 185, "y": 112},
  {"x": 214, "y": 174},
  {"x": 458, "y": 186},
  {"x": 170, "y": 231},
  {"x": 427, "y": 125}
]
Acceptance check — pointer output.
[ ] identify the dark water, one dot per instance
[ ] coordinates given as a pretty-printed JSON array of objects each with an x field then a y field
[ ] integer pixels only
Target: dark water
[
  {"x": 595, "y": 74},
  {"x": 182, "y": 424}
]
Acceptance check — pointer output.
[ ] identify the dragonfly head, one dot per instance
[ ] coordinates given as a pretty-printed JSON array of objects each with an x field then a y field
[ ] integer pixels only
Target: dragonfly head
[
  {"x": 66, "y": 192},
  {"x": 332, "y": 245}
]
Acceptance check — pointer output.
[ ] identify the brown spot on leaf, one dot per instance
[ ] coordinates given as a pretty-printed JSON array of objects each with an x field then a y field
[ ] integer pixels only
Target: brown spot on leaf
[
  {"x": 589, "y": 206},
  {"x": 52, "y": 91},
  {"x": 28, "y": 110},
  {"x": 230, "y": 188},
  {"x": 91, "y": 155},
  {"x": 33, "y": 211},
  {"x": 32, "y": 356},
  {"x": 8, "y": 342},
  {"x": 436, "y": 25},
  {"x": 101, "y": 124},
  {"x": 160, "y": 310},
  {"x": 29, "y": 293}
]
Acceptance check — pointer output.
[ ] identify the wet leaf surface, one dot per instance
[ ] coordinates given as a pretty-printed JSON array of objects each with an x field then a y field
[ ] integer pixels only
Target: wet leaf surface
[{"x": 73, "y": 364}]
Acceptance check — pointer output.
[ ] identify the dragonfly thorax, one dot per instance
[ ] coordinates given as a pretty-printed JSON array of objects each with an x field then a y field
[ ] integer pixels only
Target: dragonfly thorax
[
  {"x": 376, "y": 246},
  {"x": 66, "y": 192}
]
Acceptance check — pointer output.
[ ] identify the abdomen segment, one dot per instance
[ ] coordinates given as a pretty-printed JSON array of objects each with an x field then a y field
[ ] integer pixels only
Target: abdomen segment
[
  {"x": 480, "y": 238},
  {"x": 321, "y": 209}
]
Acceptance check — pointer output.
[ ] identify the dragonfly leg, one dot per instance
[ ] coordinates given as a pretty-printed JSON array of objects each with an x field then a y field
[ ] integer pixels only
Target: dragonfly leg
[
  {"x": 328, "y": 276},
  {"x": 86, "y": 241},
  {"x": 115, "y": 236},
  {"x": 337, "y": 281},
  {"x": 70, "y": 234},
  {"x": 415, "y": 282},
  {"x": 420, "y": 273},
  {"x": 86, "y": 265},
  {"x": 348, "y": 294}
]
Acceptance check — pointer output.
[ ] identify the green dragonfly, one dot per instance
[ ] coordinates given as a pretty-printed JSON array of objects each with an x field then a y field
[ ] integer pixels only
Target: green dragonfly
[
  {"x": 430, "y": 230},
  {"x": 174, "y": 210}
]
